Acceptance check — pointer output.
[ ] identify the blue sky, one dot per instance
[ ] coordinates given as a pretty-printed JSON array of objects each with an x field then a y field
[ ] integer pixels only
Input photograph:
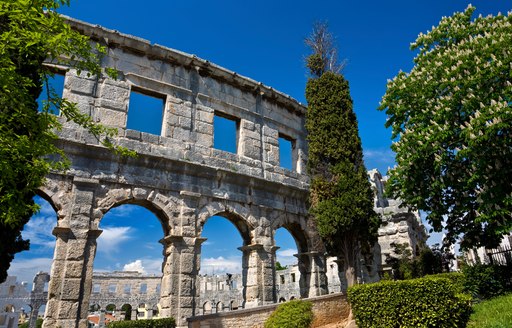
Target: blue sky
[{"x": 262, "y": 40}]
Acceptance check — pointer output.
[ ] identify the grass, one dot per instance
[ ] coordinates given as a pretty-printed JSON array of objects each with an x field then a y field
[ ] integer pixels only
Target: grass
[{"x": 493, "y": 313}]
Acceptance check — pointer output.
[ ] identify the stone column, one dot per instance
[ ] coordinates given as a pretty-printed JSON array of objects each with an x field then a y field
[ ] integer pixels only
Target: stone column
[
  {"x": 71, "y": 276},
  {"x": 179, "y": 292},
  {"x": 258, "y": 275},
  {"x": 134, "y": 313},
  {"x": 34, "y": 309},
  {"x": 313, "y": 280}
]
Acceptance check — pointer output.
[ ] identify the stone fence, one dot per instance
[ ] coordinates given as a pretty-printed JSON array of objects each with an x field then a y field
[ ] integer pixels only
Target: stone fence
[{"x": 327, "y": 309}]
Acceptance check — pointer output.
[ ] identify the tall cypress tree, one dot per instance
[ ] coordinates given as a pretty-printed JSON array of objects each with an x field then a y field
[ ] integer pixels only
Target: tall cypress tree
[{"x": 341, "y": 198}]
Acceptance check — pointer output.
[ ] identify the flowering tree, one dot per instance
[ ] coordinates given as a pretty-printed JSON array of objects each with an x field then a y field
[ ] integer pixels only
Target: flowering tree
[{"x": 451, "y": 117}]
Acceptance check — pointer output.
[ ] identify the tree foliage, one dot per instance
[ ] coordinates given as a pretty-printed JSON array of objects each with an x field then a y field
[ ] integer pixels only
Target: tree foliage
[
  {"x": 340, "y": 196},
  {"x": 325, "y": 53},
  {"x": 31, "y": 34},
  {"x": 452, "y": 119}
]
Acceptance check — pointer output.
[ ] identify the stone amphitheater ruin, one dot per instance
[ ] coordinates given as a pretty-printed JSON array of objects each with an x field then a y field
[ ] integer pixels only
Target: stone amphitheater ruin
[{"x": 179, "y": 176}]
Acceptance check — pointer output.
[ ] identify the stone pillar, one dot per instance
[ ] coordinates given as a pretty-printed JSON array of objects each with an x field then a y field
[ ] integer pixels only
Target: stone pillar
[
  {"x": 134, "y": 313},
  {"x": 71, "y": 276},
  {"x": 179, "y": 292},
  {"x": 313, "y": 280},
  {"x": 34, "y": 309},
  {"x": 258, "y": 271},
  {"x": 101, "y": 320}
]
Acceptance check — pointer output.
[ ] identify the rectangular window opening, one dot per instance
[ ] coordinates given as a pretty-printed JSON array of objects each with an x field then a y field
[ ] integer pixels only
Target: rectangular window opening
[
  {"x": 96, "y": 288},
  {"x": 282, "y": 279},
  {"x": 225, "y": 132},
  {"x": 111, "y": 288},
  {"x": 145, "y": 111},
  {"x": 127, "y": 289},
  {"x": 143, "y": 288},
  {"x": 293, "y": 277},
  {"x": 286, "y": 146},
  {"x": 54, "y": 87}
]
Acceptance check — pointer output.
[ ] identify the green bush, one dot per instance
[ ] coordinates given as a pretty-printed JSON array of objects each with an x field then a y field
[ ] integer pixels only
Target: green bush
[
  {"x": 457, "y": 278},
  {"x": 151, "y": 323},
  {"x": 484, "y": 281},
  {"x": 292, "y": 314},
  {"x": 39, "y": 324},
  {"x": 423, "y": 302}
]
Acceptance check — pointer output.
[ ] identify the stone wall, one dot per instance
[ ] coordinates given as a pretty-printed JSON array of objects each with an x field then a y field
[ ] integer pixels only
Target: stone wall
[
  {"x": 327, "y": 309},
  {"x": 179, "y": 175}
]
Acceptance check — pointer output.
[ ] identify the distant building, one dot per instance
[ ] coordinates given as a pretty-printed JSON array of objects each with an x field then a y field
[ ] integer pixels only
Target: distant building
[
  {"x": 400, "y": 225},
  {"x": 15, "y": 298},
  {"x": 501, "y": 255}
]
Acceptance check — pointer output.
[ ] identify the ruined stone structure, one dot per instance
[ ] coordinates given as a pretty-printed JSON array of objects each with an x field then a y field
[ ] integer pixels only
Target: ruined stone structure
[
  {"x": 399, "y": 224},
  {"x": 120, "y": 288},
  {"x": 14, "y": 298},
  {"x": 179, "y": 176}
]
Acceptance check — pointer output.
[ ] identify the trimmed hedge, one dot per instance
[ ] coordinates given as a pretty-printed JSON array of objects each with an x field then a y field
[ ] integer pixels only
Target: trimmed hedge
[
  {"x": 292, "y": 314},
  {"x": 151, "y": 323},
  {"x": 457, "y": 278},
  {"x": 423, "y": 302}
]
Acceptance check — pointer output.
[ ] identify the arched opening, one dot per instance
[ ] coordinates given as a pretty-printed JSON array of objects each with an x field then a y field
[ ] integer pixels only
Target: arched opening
[
  {"x": 126, "y": 311},
  {"x": 128, "y": 261},
  {"x": 288, "y": 275},
  {"x": 221, "y": 269},
  {"x": 110, "y": 308},
  {"x": 219, "y": 253},
  {"x": 207, "y": 307},
  {"x": 39, "y": 257}
]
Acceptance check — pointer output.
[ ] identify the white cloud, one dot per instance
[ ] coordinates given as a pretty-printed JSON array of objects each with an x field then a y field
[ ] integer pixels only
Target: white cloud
[
  {"x": 39, "y": 231},
  {"x": 153, "y": 266},
  {"x": 380, "y": 158},
  {"x": 111, "y": 238},
  {"x": 134, "y": 266},
  {"x": 221, "y": 265},
  {"x": 26, "y": 269},
  {"x": 285, "y": 257}
]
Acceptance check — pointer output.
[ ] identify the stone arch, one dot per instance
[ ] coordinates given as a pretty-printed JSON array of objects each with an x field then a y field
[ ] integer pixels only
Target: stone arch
[
  {"x": 235, "y": 213},
  {"x": 311, "y": 261},
  {"x": 219, "y": 307},
  {"x": 282, "y": 299},
  {"x": 296, "y": 226},
  {"x": 160, "y": 205},
  {"x": 207, "y": 307}
]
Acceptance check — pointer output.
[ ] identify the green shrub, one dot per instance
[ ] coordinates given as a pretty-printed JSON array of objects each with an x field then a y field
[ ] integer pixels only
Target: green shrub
[
  {"x": 484, "y": 281},
  {"x": 423, "y": 302},
  {"x": 457, "y": 278},
  {"x": 39, "y": 324},
  {"x": 292, "y": 314},
  {"x": 151, "y": 323}
]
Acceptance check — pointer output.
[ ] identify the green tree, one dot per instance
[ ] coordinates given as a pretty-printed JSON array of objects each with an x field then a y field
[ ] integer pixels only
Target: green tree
[
  {"x": 452, "y": 121},
  {"x": 32, "y": 33},
  {"x": 340, "y": 197}
]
